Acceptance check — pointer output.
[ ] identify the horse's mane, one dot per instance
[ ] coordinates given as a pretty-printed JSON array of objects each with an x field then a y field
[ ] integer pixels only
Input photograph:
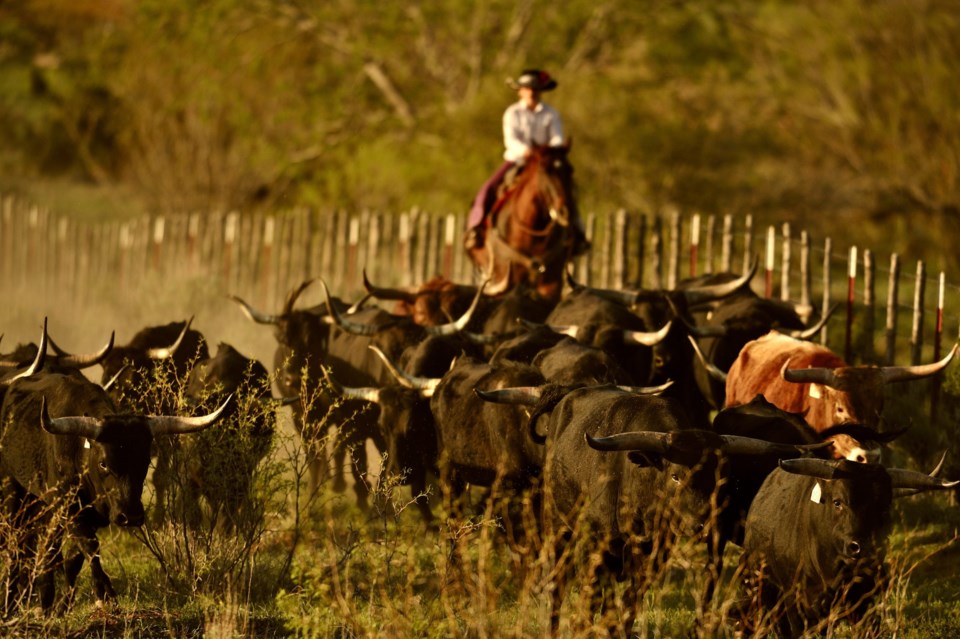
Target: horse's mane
[{"x": 537, "y": 162}]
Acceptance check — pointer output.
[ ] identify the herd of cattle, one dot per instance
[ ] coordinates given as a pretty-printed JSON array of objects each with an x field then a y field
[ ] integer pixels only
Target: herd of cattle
[{"x": 644, "y": 415}]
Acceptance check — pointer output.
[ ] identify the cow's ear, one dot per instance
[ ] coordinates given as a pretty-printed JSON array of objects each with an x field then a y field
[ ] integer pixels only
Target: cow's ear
[
  {"x": 646, "y": 460},
  {"x": 816, "y": 495}
]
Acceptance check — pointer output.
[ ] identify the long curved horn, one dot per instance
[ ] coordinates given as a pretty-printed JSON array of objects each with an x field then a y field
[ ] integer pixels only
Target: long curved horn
[
  {"x": 523, "y": 395},
  {"x": 911, "y": 479},
  {"x": 819, "y": 468},
  {"x": 167, "y": 352},
  {"x": 627, "y": 298},
  {"x": 907, "y": 373},
  {"x": 646, "y": 441},
  {"x": 86, "y": 360},
  {"x": 294, "y": 294},
  {"x": 824, "y": 376},
  {"x": 646, "y": 390},
  {"x": 736, "y": 445},
  {"x": 503, "y": 285},
  {"x": 174, "y": 425},
  {"x": 647, "y": 338},
  {"x": 810, "y": 332},
  {"x": 88, "y": 427},
  {"x": 426, "y": 385},
  {"x": 59, "y": 352},
  {"x": 714, "y": 372},
  {"x": 461, "y": 323},
  {"x": 703, "y": 294},
  {"x": 356, "y": 328},
  {"x": 252, "y": 313},
  {"x": 367, "y": 394},
  {"x": 483, "y": 339},
  {"x": 388, "y": 293},
  {"x": 358, "y": 305},
  {"x": 37, "y": 362}
]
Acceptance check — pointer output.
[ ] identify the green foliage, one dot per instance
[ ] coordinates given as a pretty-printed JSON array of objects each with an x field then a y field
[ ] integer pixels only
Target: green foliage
[{"x": 841, "y": 113}]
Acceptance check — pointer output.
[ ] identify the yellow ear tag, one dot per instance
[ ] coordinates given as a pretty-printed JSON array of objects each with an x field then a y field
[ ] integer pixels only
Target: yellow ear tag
[
  {"x": 815, "y": 391},
  {"x": 816, "y": 494},
  {"x": 86, "y": 443}
]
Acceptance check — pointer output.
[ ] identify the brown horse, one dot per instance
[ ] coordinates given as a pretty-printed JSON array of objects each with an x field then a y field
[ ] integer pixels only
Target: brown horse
[{"x": 528, "y": 233}]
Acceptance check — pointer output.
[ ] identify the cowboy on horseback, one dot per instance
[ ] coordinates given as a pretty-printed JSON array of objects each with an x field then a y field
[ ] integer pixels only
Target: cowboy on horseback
[{"x": 526, "y": 123}]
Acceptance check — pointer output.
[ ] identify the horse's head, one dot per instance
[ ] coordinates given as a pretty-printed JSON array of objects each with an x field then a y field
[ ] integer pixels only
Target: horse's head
[
  {"x": 531, "y": 238},
  {"x": 550, "y": 177}
]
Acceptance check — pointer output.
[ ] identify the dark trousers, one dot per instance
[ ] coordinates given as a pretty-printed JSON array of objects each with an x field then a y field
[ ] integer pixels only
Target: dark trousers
[{"x": 478, "y": 210}]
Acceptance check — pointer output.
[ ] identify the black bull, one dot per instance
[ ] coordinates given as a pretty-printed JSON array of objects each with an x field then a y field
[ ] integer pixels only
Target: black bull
[
  {"x": 650, "y": 480},
  {"x": 62, "y": 442},
  {"x": 816, "y": 541}
]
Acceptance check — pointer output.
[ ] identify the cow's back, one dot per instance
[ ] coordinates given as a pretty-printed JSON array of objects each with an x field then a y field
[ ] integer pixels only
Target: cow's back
[{"x": 756, "y": 371}]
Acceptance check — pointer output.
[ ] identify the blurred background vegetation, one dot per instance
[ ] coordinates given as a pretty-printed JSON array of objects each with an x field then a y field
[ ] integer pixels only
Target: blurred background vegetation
[{"x": 839, "y": 115}]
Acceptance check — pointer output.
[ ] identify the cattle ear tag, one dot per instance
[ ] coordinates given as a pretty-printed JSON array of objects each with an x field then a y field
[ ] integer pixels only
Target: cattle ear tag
[
  {"x": 815, "y": 391},
  {"x": 816, "y": 495},
  {"x": 86, "y": 443}
]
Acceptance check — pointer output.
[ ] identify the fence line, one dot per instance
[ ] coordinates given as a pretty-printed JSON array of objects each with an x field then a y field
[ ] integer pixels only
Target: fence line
[{"x": 261, "y": 257}]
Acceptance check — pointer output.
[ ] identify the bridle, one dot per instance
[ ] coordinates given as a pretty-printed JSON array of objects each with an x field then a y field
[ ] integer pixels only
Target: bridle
[{"x": 559, "y": 215}]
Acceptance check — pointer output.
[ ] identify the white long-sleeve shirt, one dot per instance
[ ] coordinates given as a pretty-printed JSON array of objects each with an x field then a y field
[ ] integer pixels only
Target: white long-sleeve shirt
[{"x": 523, "y": 127}]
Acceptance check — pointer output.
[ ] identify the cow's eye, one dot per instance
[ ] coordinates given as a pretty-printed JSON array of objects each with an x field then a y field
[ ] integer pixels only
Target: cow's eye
[
  {"x": 838, "y": 504},
  {"x": 675, "y": 477},
  {"x": 103, "y": 466}
]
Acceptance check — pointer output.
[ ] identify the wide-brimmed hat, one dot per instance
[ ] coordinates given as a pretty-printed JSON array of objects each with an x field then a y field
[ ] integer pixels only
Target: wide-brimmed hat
[{"x": 533, "y": 79}]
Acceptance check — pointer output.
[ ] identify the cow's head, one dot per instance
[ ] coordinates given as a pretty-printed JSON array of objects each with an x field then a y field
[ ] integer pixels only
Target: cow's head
[
  {"x": 693, "y": 465},
  {"x": 848, "y": 394},
  {"x": 851, "y": 515},
  {"x": 117, "y": 455}
]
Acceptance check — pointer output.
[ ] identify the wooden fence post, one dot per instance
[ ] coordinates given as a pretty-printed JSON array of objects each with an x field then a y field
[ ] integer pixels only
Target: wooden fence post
[
  {"x": 156, "y": 250},
  {"x": 694, "y": 243},
  {"x": 641, "y": 249},
  {"x": 916, "y": 333},
  {"x": 584, "y": 273},
  {"x": 726, "y": 245},
  {"x": 893, "y": 292},
  {"x": 423, "y": 246},
  {"x": 851, "y": 285},
  {"x": 770, "y": 262},
  {"x": 230, "y": 223},
  {"x": 937, "y": 380},
  {"x": 266, "y": 263},
  {"x": 449, "y": 232},
  {"x": 805, "y": 298},
  {"x": 353, "y": 257},
  {"x": 606, "y": 259},
  {"x": 747, "y": 243},
  {"x": 621, "y": 231},
  {"x": 673, "y": 266},
  {"x": 785, "y": 255},
  {"x": 709, "y": 237},
  {"x": 406, "y": 251},
  {"x": 372, "y": 266},
  {"x": 656, "y": 253},
  {"x": 866, "y": 343},
  {"x": 825, "y": 303}
]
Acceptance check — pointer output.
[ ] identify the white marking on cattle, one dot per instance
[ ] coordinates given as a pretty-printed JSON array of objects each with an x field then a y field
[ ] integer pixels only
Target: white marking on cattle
[
  {"x": 815, "y": 391},
  {"x": 816, "y": 495},
  {"x": 86, "y": 443}
]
